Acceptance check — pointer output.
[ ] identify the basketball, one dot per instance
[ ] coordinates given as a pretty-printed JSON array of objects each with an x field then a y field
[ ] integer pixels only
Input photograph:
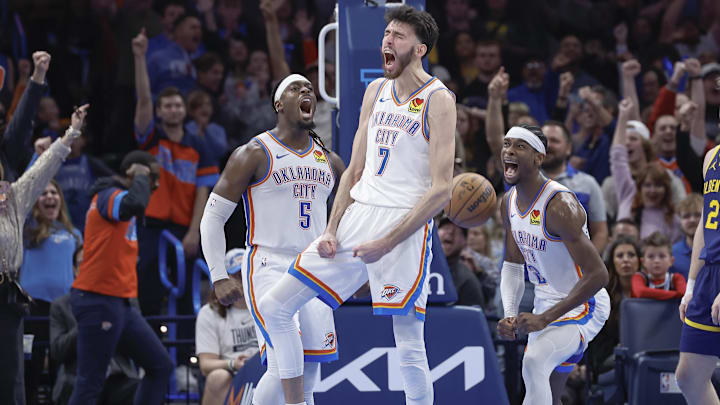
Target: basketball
[{"x": 472, "y": 202}]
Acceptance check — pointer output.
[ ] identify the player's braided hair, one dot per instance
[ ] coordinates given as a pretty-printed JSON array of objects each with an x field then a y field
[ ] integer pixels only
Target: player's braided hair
[{"x": 315, "y": 137}]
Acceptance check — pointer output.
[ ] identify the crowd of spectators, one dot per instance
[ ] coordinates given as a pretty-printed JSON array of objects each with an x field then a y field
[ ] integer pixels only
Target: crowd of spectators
[{"x": 626, "y": 92}]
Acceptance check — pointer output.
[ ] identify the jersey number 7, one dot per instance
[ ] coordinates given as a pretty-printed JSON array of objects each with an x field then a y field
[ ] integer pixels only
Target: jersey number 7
[{"x": 384, "y": 153}]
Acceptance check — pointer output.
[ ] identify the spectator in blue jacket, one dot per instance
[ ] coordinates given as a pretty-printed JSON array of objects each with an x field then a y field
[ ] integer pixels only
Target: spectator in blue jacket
[{"x": 172, "y": 65}]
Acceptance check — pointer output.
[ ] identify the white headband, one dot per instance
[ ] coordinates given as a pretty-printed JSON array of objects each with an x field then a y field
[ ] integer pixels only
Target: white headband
[
  {"x": 527, "y": 136},
  {"x": 286, "y": 82}
]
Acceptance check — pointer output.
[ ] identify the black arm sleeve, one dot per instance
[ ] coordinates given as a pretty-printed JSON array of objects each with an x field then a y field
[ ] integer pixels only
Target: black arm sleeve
[
  {"x": 17, "y": 135},
  {"x": 691, "y": 165},
  {"x": 137, "y": 198}
]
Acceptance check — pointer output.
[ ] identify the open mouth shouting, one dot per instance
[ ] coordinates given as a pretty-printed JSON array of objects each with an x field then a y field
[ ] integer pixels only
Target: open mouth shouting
[
  {"x": 510, "y": 169},
  {"x": 50, "y": 208},
  {"x": 306, "y": 108},
  {"x": 388, "y": 59}
]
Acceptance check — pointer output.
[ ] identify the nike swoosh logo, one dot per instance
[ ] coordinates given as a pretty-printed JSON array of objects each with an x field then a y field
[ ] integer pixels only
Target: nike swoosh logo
[
  {"x": 512, "y": 215},
  {"x": 382, "y": 100},
  {"x": 279, "y": 156}
]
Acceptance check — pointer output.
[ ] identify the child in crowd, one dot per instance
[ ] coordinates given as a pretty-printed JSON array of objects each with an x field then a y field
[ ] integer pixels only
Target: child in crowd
[
  {"x": 654, "y": 280},
  {"x": 689, "y": 210}
]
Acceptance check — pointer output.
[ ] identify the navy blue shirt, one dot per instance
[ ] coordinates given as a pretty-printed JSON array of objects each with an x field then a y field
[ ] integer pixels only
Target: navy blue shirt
[
  {"x": 597, "y": 157},
  {"x": 681, "y": 252}
]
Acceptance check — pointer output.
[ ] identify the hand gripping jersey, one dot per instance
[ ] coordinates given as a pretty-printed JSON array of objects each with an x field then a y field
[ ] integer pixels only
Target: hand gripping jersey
[
  {"x": 397, "y": 159},
  {"x": 287, "y": 208}
]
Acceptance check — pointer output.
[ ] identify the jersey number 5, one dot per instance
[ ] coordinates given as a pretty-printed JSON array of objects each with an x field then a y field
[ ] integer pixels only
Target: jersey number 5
[
  {"x": 384, "y": 153},
  {"x": 712, "y": 222},
  {"x": 305, "y": 209}
]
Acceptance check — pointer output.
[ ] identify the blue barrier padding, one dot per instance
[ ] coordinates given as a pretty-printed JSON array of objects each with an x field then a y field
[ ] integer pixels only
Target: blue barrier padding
[
  {"x": 168, "y": 238},
  {"x": 199, "y": 269}
]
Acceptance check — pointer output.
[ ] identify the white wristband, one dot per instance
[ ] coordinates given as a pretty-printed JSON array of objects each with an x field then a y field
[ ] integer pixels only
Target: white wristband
[{"x": 690, "y": 286}]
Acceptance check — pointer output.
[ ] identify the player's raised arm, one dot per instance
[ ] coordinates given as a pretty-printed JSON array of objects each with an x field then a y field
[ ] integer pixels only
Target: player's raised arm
[
  {"x": 565, "y": 218},
  {"x": 512, "y": 277},
  {"x": 244, "y": 164},
  {"x": 327, "y": 245}
]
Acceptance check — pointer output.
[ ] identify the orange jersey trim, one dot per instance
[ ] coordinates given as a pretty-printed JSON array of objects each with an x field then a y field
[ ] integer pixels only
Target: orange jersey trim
[{"x": 315, "y": 280}]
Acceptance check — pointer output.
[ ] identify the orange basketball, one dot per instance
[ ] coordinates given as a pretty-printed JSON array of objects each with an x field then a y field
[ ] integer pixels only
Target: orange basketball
[{"x": 472, "y": 202}]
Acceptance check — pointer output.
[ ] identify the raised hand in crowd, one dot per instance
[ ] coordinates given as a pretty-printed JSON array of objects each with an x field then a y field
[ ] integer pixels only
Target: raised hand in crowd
[
  {"x": 304, "y": 22},
  {"x": 41, "y": 60},
  {"x": 588, "y": 95},
  {"x": 625, "y": 111},
  {"x": 630, "y": 69},
  {"x": 620, "y": 32},
  {"x": 494, "y": 124},
  {"x": 559, "y": 62},
  {"x": 42, "y": 144},
  {"x": 498, "y": 86},
  {"x": 567, "y": 80},
  {"x": 269, "y": 8},
  {"x": 693, "y": 67},
  {"x": 140, "y": 44},
  {"x": 204, "y": 6},
  {"x": 77, "y": 120},
  {"x": 678, "y": 72}
]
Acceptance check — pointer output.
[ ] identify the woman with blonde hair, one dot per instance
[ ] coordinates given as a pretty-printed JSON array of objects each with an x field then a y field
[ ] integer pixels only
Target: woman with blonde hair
[{"x": 647, "y": 200}]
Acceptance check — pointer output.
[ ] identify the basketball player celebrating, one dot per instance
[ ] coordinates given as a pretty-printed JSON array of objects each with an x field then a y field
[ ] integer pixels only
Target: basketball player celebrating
[
  {"x": 546, "y": 230},
  {"x": 284, "y": 177},
  {"x": 700, "y": 307},
  {"x": 399, "y": 177}
]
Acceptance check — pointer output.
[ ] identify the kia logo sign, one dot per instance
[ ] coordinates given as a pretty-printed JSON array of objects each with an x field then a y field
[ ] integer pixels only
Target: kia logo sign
[{"x": 472, "y": 358}]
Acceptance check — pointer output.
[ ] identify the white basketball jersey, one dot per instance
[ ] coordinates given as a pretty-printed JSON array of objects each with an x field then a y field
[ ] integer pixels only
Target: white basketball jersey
[
  {"x": 287, "y": 209},
  {"x": 397, "y": 160},
  {"x": 548, "y": 261}
]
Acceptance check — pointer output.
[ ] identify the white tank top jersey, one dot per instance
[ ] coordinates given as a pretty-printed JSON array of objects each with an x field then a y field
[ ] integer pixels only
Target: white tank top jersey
[
  {"x": 549, "y": 264},
  {"x": 397, "y": 160},
  {"x": 287, "y": 208}
]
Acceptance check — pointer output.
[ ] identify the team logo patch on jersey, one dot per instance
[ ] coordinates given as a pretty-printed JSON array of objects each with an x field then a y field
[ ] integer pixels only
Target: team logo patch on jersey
[
  {"x": 389, "y": 292},
  {"x": 329, "y": 340},
  {"x": 535, "y": 217},
  {"x": 416, "y": 105},
  {"x": 319, "y": 157}
]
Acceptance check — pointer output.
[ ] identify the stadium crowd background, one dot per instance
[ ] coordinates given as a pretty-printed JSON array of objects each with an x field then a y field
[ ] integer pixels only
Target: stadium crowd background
[{"x": 561, "y": 64}]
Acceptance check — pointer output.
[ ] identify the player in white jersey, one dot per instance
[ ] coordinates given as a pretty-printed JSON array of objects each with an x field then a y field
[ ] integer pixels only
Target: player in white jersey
[
  {"x": 284, "y": 177},
  {"x": 399, "y": 177},
  {"x": 546, "y": 230}
]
